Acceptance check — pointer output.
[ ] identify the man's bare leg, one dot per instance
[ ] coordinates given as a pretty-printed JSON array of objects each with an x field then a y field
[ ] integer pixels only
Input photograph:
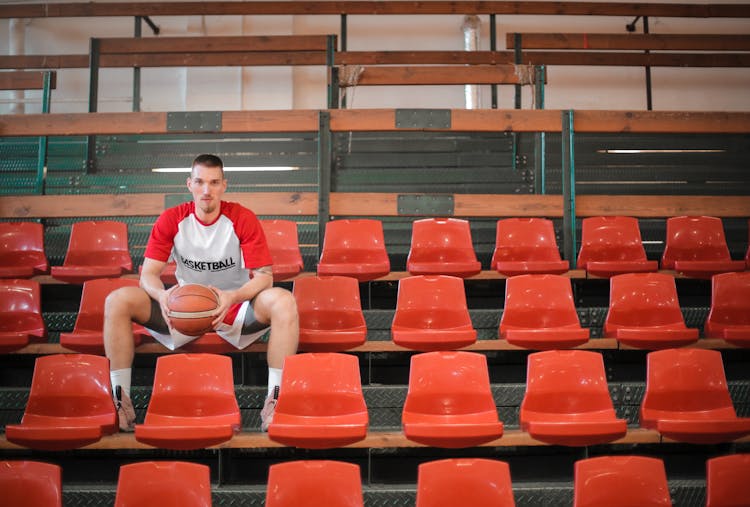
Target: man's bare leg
[{"x": 121, "y": 307}]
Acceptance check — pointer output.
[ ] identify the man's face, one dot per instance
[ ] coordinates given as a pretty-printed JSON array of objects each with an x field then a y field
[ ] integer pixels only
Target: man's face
[{"x": 207, "y": 184}]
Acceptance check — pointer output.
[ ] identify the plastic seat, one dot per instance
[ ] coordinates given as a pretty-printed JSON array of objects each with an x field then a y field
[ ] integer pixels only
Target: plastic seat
[
  {"x": 526, "y": 246},
  {"x": 192, "y": 404},
  {"x": 330, "y": 313},
  {"x": 22, "y": 250},
  {"x": 567, "y": 400},
  {"x": 314, "y": 483},
  {"x": 621, "y": 481},
  {"x": 612, "y": 246},
  {"x": 644, "y": 312},
  {"x": 468, "y": 481},
  {"x": 442, "y": 246},
  {"x": 87, "y": 335},
  {"x": 30, "y": 484},
  {"x": 70, "y": 404},
  {"x": 696, "y": 247},
  {"x": 449, "y": 402},
  {"x": 163, "y": 484},
  {"x": 321, "y": 404},
  {"x": 687, "y": 398},
  {"x": 727, "y": 482},
  {"x": 354, "y": 248},
  {"x": 432, "y": 314},
  {"x": 96, "y": 250},
  {"x": 21, "y": 320},
  {"x": 281, "y": 236},
  {"x": 168, "y": 274},
  {"x": 540, "y": 313},
  {"x": 729, "y": 317}
]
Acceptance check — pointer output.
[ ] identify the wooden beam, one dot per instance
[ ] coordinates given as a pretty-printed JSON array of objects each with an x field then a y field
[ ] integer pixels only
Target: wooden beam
[
  {"x": 442, "y": 75},
  {"x": 669, "y": 122},
  {"x": 244, "y": 43},
  {"x": 647, "y": 206},
  {"x": 250, "y": 59},
  {"x": 630, "y": 41},
  {"x": 484, "y": 120},
  {"x": 130, "y": 9},
  {"x": 25, "y": 80}
]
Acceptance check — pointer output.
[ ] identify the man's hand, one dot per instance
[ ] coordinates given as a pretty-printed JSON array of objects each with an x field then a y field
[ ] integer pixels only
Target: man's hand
[{"x": 226, "y": 300}]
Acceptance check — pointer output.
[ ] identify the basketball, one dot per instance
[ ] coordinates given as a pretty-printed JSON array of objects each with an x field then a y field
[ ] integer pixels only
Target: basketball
[{"x": 191, "y": 308}]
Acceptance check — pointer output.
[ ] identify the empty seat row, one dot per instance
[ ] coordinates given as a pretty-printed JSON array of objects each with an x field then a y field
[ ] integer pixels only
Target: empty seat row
[
  {"x": 695, "y": 247},
  {"x": 449, "y": 402},
  {"x": 615, "y": 481},
  {"x": 431, "y": 314}
]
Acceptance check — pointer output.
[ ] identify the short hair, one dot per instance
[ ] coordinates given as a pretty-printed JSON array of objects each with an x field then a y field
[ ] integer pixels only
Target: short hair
[{"x": 208, "y": 160}]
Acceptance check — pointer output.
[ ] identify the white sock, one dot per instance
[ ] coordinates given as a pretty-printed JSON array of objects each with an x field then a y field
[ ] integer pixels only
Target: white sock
[
  {"x": 274, "y": 379},
  {"x": 121, "y": 378}
]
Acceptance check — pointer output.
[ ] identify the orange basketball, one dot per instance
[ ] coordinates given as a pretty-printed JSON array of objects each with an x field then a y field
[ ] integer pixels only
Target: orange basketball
[{"x": 191, "y": 308}]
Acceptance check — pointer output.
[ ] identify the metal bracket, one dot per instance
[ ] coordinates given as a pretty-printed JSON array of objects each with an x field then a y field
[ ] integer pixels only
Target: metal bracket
[
  {"x": 194, "y": 121},
  {"x": 171, "y": 200},
  {"x": 423, "y": 118},
  {"x": 423, "y": 204}
]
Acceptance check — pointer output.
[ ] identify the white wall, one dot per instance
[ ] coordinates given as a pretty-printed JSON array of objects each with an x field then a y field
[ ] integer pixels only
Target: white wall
[{"x": 234, "y": 88}]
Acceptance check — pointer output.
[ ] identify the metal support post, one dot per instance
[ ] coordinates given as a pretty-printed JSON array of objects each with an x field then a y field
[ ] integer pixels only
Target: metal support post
[
  {"x": 41, "y": 163},
  {"x": 649, "y": 98},
  {"x": 343, "y": 48},
  {"x": 493, "y": 47},
  {"x": 333, "y": 75},
  {"x": 540, "y": 148},
  {"x": 94, "y": 54},
  {"x": 568, "y": 187},
  {"x": 137, "y": 72},
  {"x": 519, "y": 60},
  {"x": 324, "y": 174}
]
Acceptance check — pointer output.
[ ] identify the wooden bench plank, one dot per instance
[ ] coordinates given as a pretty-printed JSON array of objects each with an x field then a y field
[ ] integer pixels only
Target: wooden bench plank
[
  {"x": 225, "y": 59},
  {"x": 668, "y": 122},
  {"x": 442, "y": 75},
  {"x": 630, "y": 41},
  {"x": 575, "y": 8},
  {"x": 213, "y": 44},
  {"x": 25, "y": 80},
  {"x": 656, "y": 206}
]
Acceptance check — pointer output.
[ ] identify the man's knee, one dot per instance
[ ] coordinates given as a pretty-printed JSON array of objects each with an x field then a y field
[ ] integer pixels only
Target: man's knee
[
  {"x": 278, "y": 303},
  {"x": 130, "y": 302}
]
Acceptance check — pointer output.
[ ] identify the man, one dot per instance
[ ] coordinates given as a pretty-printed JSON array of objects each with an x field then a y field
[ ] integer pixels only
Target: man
[{"x": 216, "y": 243}]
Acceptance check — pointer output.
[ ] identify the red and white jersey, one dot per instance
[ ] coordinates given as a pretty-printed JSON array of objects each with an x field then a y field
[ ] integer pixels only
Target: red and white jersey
[{"x": 221, "y": 253}]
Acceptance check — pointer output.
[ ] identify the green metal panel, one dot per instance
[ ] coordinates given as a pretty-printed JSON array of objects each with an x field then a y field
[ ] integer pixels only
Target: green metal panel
[
  {"x": 194, "y": 121},
  {"x": 423, "y": 118}
]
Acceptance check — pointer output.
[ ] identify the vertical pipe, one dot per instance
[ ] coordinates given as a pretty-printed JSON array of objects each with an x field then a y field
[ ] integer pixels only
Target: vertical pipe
[
  {"x": 649, "y": 98},
  {"x": 493, "y": 47},
  {"x": 540, "y": 148},
  {"x": 324, "y": 174},
  {"x": 519, "y": 60},
  {"x": 568, "y": 187},
  {"x": 41, "y": 163},
  {"x": 94, "y": 53},
  {"x": 343, "y": 48},
  {"x": 137, "y": 71},
  {"x": 333, "y": 75},
  {"x": 470, "y": 28}
]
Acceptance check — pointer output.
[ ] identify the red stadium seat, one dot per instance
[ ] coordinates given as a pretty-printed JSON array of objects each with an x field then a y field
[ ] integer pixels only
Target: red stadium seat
[
  {"x": 526, "y": 246},
  {"x": 644, "y": 312},
  {"x": 432, "y": 314},
  {"x": 696, "y": 247},
  {"x": 330, "y": 313},
  {"x": 466, "y": 481},
  {"x": 163, "y": 484},
  {"x": 192, "y": 404},
  {"x": 540, "y": 313},
  {"x": 612, "y": 246},
  {"x": 283, "y": 242},
  {"x": 70, "y": 404},
  {"x": 96, "y": 250},
  {"x": 621, "y": 481},
  {"x": 727, "y": 483},
  {"x": 21, "y": 320},
  {"x": 567, "y": 401},
  {"x": 354, "y": 248},
  {"x": 321, "y": 404},
  {"x": 449, "y": 402},
  {"x": 747, "y": 254},
  {"x": 30, "y": 484},
  {"x": 168, "y": 274},
  {"x": 22, "y": 250},
  {"x": 729, "y": 317},
  {"x": 313, "y": 484},
  {"x": 87, "y": 336},
  {"x": 442, "y": 246},
  {"x": 687, "y": 398}
]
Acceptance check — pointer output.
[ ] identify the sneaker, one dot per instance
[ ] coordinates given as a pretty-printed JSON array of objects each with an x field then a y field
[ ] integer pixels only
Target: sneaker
[
  {"x": 125, "y": 410},
  {"x": 269, "y": 408}
]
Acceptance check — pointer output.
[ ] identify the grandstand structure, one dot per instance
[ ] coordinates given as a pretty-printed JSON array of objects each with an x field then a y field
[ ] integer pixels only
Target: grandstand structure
[{"x": 491, "y": 176}]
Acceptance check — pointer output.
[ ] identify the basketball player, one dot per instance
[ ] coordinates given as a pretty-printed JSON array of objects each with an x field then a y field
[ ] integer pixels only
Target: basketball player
[{"x": 216, "y": 243}]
